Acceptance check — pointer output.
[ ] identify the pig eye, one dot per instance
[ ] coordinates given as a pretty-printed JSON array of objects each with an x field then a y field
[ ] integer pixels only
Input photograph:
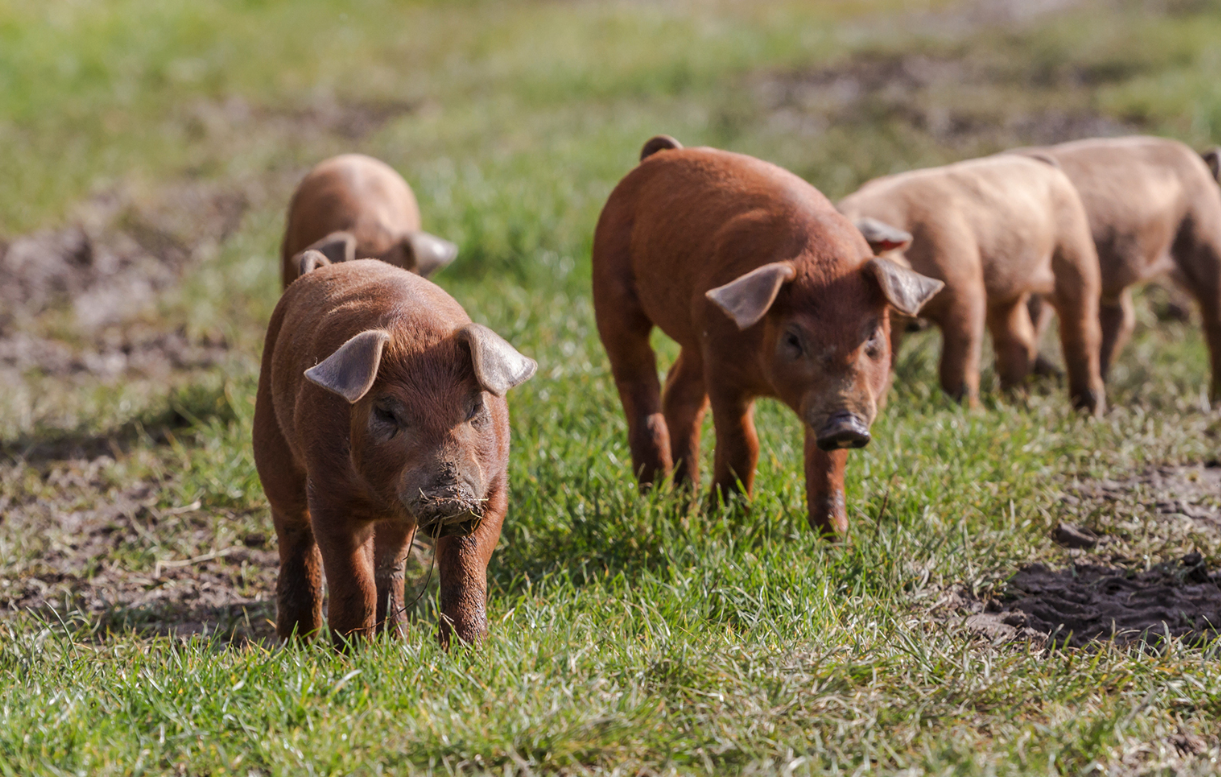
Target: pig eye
[
  {"x": 385, "y": 418},
  {"x": 791, "y": 343},
  {"x": 874, "y": 346},
  {"x": 476, "y": 409}
]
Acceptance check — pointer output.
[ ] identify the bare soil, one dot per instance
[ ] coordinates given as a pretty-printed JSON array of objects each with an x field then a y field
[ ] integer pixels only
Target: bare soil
[{"x": 1105, "y": 592}]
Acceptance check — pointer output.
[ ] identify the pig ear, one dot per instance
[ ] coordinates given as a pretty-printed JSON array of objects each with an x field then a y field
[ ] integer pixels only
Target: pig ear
[
  {"x": 310, "y": 260},
  {"x": 351, "y": 370},
  {"x": 747, "y": 299},
  {"x": 336, "y": 247},
  {"x": 1212, "y": 158},
  {"x": 881, "y": 236},
  {"x": 498, "y": 365},
  {"x": 906, "y": 290},
  {"x": 430, "y": 252}
]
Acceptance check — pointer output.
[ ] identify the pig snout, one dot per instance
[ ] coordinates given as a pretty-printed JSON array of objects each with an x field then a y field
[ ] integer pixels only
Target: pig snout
[
  {"x": 446, "y": 504},
  {"x": 843, "y": 430}
]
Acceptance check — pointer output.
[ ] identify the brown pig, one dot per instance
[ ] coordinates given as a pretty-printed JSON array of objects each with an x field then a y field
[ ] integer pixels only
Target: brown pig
[
  {"x": 380, "y": 413},
  {"x": 996, "y": 230},
  {"x": 354, "y": 206},
  {"x": 769, "y": 291},
  {"x": 1154, "y": 208}
]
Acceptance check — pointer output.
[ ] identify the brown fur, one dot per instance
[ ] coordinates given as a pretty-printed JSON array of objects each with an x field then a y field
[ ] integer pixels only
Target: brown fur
[
  {"x": 360, "y": 200},
  {"x": 996, "y": 230},
  {"x": 689, "y": 227},
  {"x": 1154, "y": 208},
  {"x": 347, "y": 485}
]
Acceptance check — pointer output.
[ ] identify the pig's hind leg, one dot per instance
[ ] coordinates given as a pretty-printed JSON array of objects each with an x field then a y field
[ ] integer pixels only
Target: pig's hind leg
[
  {"x": 685, "y": 401},
  {"x": 625, "y": 329},
  {"x": 1013, "y": 339},
  {"x": 1078, "y": 288},
  {"x": 299, "y": 586}
]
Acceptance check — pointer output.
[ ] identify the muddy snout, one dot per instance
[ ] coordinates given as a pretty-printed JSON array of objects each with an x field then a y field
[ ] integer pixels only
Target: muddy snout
[
  {"x": 843, "y": 430},
  {"x": 447, "y": 515}
]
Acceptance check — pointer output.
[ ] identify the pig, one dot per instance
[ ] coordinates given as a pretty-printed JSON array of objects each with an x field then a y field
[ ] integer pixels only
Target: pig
[
  {"x": 380, "y": 413},
  {"x": 770, "y": 293},
  {"x": 354, "y": 206},
  {"x": 996, "y": 230},
  {"x": 1154, "y": 208}
]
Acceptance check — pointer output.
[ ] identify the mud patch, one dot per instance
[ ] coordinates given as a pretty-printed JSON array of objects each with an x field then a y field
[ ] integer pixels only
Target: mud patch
[
  {"x": 103, "y": 272},
  {"x": 1088, "y": 603},
  {"x": 76, "y": 543},
  {"x": 1189, "y": 494}
]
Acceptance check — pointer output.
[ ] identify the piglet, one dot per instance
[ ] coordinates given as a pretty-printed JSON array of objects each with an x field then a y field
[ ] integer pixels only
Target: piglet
[
  {"x": 356, "y": 207},
  {"x": 381, "y": 412},
  {"x": 769, "y": 291}
]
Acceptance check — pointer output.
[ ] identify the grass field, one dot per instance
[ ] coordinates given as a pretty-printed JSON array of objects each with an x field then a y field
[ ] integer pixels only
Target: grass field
[{"x": 148, "y": 150}]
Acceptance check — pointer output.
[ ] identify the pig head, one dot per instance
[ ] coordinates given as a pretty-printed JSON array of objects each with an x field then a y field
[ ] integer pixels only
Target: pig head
[{"x": 825, "y": 345}]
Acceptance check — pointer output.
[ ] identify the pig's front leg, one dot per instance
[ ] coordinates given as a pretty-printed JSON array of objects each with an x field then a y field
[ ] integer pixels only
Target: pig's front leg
[
  {"x": 463, "y": 566},
  {"x": 391, "y": 545},
  {"x": 347, "y": 560},
  {"x": 737, "y": 444},
  {"x": 825, "y": 488}
]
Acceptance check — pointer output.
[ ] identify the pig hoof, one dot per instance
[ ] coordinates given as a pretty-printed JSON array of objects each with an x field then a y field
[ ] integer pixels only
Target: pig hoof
[{"x": 843, "y": 430}]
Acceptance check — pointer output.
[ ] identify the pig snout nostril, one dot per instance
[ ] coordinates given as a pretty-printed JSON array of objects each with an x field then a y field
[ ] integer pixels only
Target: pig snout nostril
[{"x": 843, "y": 430}]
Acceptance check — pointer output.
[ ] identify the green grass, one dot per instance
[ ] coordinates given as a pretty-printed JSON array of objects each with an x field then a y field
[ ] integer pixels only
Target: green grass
[{"x": 629, "y": 633}]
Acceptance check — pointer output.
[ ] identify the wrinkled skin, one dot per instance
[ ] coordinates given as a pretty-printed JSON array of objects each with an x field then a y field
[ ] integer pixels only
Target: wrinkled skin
[
  {"x": 769, "y": 292},
  {"x": 373, "y": 421}
]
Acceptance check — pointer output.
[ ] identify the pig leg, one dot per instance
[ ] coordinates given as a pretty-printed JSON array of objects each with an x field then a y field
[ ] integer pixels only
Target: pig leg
[
  {"x": 462, "y": 563},
  {"x": 391, "y": 543},
  {"x": 1076, "y": 302},
  {"x": 1013, "y": 338},
  {"x": 299, "y": 586},
  {"x": 828, "y": 513},
  {"x": 625, "y": 334},
  {"x": 962, "y": 330},
  {"x": 347, "y": 559},
  {"x": 1201, "y": 275},
  {"x": 1117, "y": 319},
  {"x": 685, "y": 401},
  {"x": 1040, "y": 318},
  {"x": 737, "y": 445}
]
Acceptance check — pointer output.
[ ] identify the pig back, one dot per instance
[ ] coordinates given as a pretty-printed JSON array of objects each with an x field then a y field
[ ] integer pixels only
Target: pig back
[
  {"x": 686, "y": 221},
  {"x": 325, "y": 308},
  {"x": 356, "y": 193}
]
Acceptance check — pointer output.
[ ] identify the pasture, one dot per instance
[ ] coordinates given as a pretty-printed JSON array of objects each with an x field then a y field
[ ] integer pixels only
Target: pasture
[{"x": 147, "y": 152}]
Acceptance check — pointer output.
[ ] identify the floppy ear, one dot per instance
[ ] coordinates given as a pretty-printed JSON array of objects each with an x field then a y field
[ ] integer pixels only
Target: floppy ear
[
  {"x": 1212, "y": 157},
  {"x": 351, "y": 370},
  {"x": 905, "y": 289},
  {"x": 430, "y": 252},
  {"x": 310, "y": 260},
  {"x": 498, "y": 365},
  {"x": 747, "y": 299},
  {"x": 337, "y": 247},
  {"x": 881, "y": 236}
]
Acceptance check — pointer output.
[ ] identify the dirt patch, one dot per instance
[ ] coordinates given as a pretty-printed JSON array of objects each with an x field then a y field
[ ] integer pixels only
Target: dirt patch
[
  {"x": 1087, "y": 603},
  {"x": 105, "y": 270},
  {"x": 1186, "y": 494},
  {"x": 961, "y": 99},
  {"x": 76, "y": 543}
]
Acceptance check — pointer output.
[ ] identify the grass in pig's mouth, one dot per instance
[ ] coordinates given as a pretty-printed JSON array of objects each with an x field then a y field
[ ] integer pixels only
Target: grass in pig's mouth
[{"x": 446, "y": 527}]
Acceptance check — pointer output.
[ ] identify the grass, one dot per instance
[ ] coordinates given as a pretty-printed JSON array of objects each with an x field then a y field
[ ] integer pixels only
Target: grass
[{"x": 629, "y": 633}]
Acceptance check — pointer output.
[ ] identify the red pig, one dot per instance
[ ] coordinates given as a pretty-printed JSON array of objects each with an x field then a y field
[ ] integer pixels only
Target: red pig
[
  {"x": 353, "y": 206},
  {"x": 380, "y": 412},
  {"x": 769, "y": 291}
]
